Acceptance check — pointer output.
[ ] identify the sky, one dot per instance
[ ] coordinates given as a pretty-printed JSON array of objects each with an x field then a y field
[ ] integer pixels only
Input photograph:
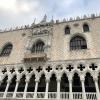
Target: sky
[{"x": 23, "y": 12}]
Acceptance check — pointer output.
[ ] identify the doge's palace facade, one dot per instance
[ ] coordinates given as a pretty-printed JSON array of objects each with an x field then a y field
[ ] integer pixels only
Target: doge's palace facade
[{"x": 51, "y": 60}]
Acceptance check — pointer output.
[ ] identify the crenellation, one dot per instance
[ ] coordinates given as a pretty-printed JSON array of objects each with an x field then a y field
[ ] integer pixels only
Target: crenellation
[{"x": 51, "y": 60}]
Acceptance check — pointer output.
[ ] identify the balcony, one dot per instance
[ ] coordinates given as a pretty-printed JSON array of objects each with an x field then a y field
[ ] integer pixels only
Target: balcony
[
  {"x": 41, "y": 56},
  {"x": 51, "y": 96}
]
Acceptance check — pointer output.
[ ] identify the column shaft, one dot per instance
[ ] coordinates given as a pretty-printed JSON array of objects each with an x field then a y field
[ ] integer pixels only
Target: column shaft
[
  {"x": 5, "y": 93},
  {"x": 97, "y": 89},
  {"x": 70, "y": 90},
  {"x": 35, "y": 91},
  {"x": 16, "y": 87},
  {"x": 47, "y": 88},
  {"x": 25, "y": 90},
  {"x": 83, "y": 90},
  {"x": 58, "y": 89}
]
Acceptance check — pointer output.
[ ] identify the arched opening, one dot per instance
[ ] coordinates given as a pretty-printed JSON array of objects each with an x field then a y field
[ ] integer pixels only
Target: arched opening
[
  {"x": 64, "y": 86},
  {"x": 31, "y": 85},
  {"x": 38, "y": 47},
  {"x": 22, "y": 84},
  {"x": 99, "y": 81},
  {"x": 86, "y": 28},
  {"x": 42, "y": 84},
  {"x": 3, "y": 84},
  {"x": 77, "y": 43},
  {"x": 76, "y": 83},
  {"x": 6, "y": 51},
  {"x": 53, "y": 84},
  {"x": 67, "y": 30},
  {"x": 12, "y": 84},
  {"x": 89, "y": 83}
]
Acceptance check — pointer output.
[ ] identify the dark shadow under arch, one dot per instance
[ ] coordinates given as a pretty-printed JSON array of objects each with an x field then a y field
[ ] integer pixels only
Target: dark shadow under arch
[
  {"x": 64, "y": 85},
  {"x": 3, "y": 84},
  {"x": 42, "y": 84},
  {"x": 53, "y": 84},
  {"x": 31, "y": 85},
  {"x": 76, "y": 83},
  {"x": 22, "y": 84},
  {"x": 12, "y": 84},
  {"x": 89, "y": 83}
]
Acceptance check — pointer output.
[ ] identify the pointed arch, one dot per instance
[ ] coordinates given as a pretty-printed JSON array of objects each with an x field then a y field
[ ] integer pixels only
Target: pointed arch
[
  {"x": 53, "y": 84},
  {"x": 76, "y": 83},
  {"x": 77, "y": 43},
  {"x": 64, "y": 85},
  {"x": 89, "y": 83},
  {"x": 42, "y": 84}
]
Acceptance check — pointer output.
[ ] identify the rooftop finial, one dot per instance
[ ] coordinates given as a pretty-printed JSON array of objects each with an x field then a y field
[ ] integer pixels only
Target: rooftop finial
[
  {"x": 52, "y": 21},
  {"x": 44, "y": 19},
  {"x": 33, "y": 22}
]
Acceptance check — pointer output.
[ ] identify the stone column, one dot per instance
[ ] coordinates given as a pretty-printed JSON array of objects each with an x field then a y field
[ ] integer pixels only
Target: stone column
[
  {"x": 58, "y": 88},
  {"x": 36, "y": 87},
  {"x": 83, "y": 89},
  {"x": 97, "y": 88},
  {"x": 16, "y": 87},
  {"x": 70, "y": 90},
  {"x": 47, "y": 88},
  {"x": 25, "y": 90},
  {"x": 6, "y": 90}
]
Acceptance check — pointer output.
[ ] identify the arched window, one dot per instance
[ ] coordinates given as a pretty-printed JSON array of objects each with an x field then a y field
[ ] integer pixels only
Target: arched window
[
  {"x": 67, "y": 30},
  {"x": 86, "y": 28},
  {"x": 78, "y": 42},
  {"x": 38, "y": 47},
  {"x": 6, "y": 50}
]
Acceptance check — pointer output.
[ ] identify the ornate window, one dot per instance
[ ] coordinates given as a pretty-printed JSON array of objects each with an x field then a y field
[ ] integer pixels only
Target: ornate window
[
  {"x": 38, "y": 47},
  {"x": 6, "y": 50},
  {"x": 78, "y": 42},
  {"x": 86, "y": 28},
  {"x": 67, "y": 30}
]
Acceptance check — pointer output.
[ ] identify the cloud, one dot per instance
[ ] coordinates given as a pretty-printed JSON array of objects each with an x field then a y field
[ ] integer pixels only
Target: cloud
[{"x": 20, "y": 12}]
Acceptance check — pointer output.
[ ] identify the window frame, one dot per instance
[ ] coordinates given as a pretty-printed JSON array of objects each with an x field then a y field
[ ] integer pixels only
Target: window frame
[
  {"x": 78, "y": 43},
  {"x": 6, "y": 50}
]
